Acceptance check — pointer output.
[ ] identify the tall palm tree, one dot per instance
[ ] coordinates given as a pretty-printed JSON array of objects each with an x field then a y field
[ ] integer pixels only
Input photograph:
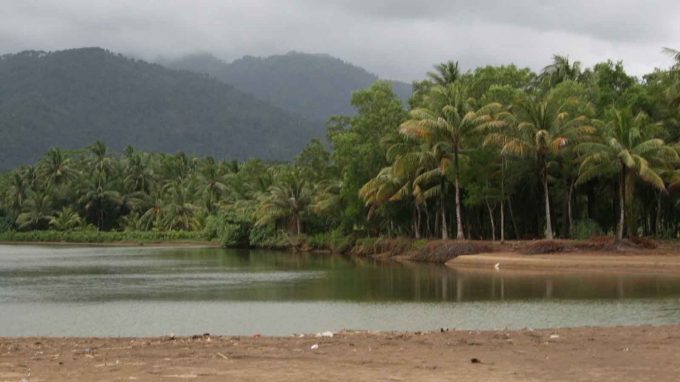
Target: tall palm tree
[
  {"x": 137, "y": 175},
  {"x": 56, "y": 168},
  {"x": 627, "y": 148},
  {"x": 560, "y": 70},
  {"x": 100, "y": 195},
  {"x": 100, "y": 161},
  {"x": 674, "y": 53},
  {"x": 445, "y": 124},
  {"x": 213, "y": 183},
  {"x": 445, "y": 73},
  {"x": 543, "y": 127}
]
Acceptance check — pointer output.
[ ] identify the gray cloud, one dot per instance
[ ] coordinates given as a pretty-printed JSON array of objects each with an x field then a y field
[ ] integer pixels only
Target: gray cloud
[{"x": 393, "y": 38}]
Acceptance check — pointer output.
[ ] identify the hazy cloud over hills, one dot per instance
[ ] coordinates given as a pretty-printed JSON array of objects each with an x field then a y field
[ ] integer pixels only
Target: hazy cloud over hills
[{"x": 397, "y": 39}]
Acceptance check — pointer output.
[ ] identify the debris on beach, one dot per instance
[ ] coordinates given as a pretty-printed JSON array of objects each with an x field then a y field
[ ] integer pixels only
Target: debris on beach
[
  {"x": 314, "y": 347},
  {"x": 327, "y": 334}
]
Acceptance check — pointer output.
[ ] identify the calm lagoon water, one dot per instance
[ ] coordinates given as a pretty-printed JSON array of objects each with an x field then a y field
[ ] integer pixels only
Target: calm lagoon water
[{"x": 104, "y": 291}]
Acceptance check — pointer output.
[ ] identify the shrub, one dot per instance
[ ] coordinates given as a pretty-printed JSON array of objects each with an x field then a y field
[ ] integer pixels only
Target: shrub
[
  {"x": 6, "y": 224},
  {"x": 586, "y": 228},
  {"x": 230, "y": 230},
  {"x": 335, "y": 241},
  {"x": 267, "y": 237}
]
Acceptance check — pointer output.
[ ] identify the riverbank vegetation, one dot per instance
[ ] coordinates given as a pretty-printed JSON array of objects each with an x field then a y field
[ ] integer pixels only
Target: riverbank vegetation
[{"x": 494, "y": 153}]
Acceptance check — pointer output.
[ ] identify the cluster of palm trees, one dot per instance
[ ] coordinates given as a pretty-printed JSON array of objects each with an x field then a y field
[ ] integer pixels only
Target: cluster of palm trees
[
  {"x": 94, "y": 188},
  {"x": 548, "y": 128}
]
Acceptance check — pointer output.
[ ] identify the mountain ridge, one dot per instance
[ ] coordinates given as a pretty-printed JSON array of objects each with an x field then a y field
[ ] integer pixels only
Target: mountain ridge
[
  {"x": 314, "y": 85},
  {"x": 70, "y": 98}
]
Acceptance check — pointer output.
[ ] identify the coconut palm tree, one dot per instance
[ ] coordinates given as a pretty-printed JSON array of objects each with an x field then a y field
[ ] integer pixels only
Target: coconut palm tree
[
  {"x": 559, "y": 71},
  {"x": 100, "y": 195},
  {"x": 213, "y": 182},
  {"x": 16, "y": 193},
  {"x": 100, "y": 161},
  {"x": 445, "y": 124},
  {"x": 674, "y": 53},
  {"x": 37, "y": 211},
  {"x": 56, "y": 168},
  {"x": 178, "y": 212},
  {"x": 445, "y": 73},
  {"x": 543, "y": 127},
  {"x": 65, "y": 220},
  {"x": 289, "y": 198},
  {"x": 137, "y": 176},
  {"x": 628, "y": 148}
]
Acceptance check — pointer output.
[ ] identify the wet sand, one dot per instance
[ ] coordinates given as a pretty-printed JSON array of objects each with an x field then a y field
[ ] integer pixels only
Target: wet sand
[
  {"x": 652, "y": 262},
  {"x": 581, "y": 354}
]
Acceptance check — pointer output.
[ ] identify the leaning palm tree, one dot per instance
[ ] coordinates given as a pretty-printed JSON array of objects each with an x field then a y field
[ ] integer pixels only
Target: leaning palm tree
[
  {"x": 626, "y": 148},
  {"x": 543, "y": 127},
  {"x": 445, "y": 124},
  {"x": 674, "y": 53}
]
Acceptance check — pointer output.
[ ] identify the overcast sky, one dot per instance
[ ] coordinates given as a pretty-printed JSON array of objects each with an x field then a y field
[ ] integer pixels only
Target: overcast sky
[{"x": 398, "y": 39}]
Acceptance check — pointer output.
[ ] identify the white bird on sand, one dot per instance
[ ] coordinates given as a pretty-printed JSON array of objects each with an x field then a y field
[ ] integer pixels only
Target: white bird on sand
[{"x": 497, "y": 266}]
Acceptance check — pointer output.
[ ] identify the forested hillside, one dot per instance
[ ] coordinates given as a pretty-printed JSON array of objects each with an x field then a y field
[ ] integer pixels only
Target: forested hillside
[
  {"x": 71, "y": 98},
  {"x": 313, "y": 85}
]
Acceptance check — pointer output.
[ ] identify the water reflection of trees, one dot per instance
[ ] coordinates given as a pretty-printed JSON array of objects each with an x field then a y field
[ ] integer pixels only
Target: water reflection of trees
[{"x": 279, "y": 276}]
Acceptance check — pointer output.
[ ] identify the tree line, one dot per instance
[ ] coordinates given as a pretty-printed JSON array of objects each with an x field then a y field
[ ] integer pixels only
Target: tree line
[{"x": 497, "y": 153}]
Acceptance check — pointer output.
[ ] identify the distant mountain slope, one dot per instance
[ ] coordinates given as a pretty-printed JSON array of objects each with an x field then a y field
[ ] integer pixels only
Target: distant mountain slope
[
  {"x": 313, "y": 85},
  {"x": 71, "y": 98}
]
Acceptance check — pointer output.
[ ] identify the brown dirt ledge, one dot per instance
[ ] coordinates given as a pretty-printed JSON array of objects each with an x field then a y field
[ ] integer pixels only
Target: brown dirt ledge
[{"x": 582, "y": 354}]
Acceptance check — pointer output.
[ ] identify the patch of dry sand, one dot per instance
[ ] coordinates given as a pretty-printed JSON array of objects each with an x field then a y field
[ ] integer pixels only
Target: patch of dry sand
[{"x": 581, "y": 354}]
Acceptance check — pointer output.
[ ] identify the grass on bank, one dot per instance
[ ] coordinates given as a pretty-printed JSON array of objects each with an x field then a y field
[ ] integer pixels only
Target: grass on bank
[{"x": 94, "y": 236}]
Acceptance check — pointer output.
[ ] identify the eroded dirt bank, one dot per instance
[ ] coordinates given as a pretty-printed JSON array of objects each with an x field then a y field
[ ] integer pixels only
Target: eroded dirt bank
[{"x": 581, "y": 354}]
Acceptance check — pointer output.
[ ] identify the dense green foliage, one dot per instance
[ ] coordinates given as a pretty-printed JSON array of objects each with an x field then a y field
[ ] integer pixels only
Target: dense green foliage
[
  {"x": 315, "y": 86},
  {"x": 71, "y": 98},
  {"x": 494, "y": 153}
]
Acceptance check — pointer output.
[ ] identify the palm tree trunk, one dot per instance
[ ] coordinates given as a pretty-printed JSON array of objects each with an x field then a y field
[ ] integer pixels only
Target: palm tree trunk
[
  {"x": 622, "y": 205},
  {"x": 459, "y": 220},
  {"x": 445, "y": 228},
  {"x": 657, "y": 218},
  {"x": 502, "y": 221},
  {"x": 416, "y": 221},
  {"x": 512, "y": 218},
  {"x": 569, "y": 208},
  {"x": 548, "y": 222},
  {"x": 298, "y": 224},
  {"x": 493, "y": 224}
]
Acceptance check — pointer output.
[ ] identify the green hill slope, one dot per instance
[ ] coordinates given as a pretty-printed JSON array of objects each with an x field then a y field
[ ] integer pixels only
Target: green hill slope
[
  {"x": 71, "y": 98},
  {"x": 313, "y": 85}
]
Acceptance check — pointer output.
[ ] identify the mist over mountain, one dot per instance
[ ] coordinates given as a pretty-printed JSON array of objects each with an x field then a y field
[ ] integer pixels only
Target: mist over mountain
[
  {"x": 73, "y": 97},
  {"x": 316, "y": 86}
]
